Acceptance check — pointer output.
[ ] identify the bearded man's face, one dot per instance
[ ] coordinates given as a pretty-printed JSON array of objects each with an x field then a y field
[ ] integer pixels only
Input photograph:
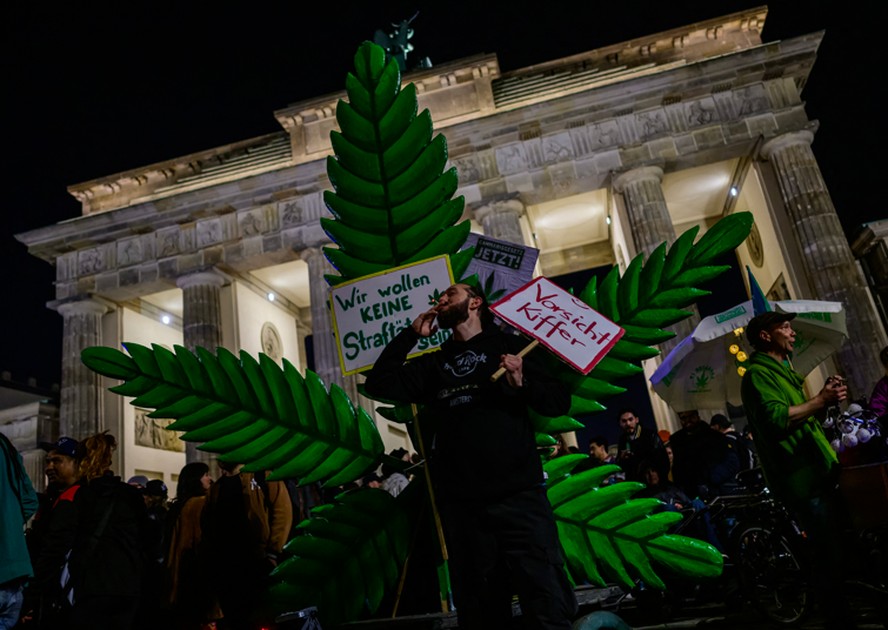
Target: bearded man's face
[{"x": 453, "y": 313}]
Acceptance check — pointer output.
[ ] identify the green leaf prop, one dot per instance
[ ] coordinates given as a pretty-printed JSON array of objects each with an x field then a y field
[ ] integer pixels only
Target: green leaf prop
[
  {"x": 649, "y": 297},
  {"x": 392, "y": 203},
  {"x": 250, "y": 412},
  {"x": 608, "y": 536},
  {"x": 349, "y": 555}
]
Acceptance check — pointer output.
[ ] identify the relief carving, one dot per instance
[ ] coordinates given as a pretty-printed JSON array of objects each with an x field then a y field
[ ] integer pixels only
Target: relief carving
[
  {"x": 129, "y": 252},
  {"x": 291, "y": 213},
  {"x": 557, "y": 148},
  {"x": 605, "y": 134},
  {"x": 209, "y": 232},
  {"x": 252, "y": 223},
  {"x": 168, "y": 242},
  {"x": 91, "y": 262},
  {"x": 468, "y": 169},
  {"x": 698, "y": 114},
  {"x": 653, "y": 123},
  {"x": 510, "y": 159}
]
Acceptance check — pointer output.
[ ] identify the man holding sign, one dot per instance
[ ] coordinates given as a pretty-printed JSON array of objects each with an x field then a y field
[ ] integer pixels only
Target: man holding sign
[{"x": 498, "y": 523}]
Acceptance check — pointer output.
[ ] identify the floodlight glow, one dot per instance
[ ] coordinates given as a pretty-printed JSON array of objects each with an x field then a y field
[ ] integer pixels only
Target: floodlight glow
[
  {"x": 271, "y": 297},
  {"x": 734, "y": 191},
  {"x": 165, "y": 319}
]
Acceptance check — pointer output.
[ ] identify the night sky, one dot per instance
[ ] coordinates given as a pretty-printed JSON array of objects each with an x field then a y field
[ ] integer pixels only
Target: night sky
[{"x": 93, "y": 92}]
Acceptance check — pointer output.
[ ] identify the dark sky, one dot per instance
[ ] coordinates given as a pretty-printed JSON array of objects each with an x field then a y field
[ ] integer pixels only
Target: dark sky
[{"x": 89, "y": 92}]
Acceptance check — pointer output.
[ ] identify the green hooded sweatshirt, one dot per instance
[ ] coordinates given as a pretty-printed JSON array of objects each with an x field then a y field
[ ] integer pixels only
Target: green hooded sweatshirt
[{"x": 798, "y": 462}]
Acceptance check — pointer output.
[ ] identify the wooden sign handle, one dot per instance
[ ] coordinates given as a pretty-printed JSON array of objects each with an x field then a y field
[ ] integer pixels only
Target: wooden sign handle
[{"x": 533, "y": 344}]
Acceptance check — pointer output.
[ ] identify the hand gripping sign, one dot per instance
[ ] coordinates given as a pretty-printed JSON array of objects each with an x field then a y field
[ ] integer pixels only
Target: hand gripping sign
[{"x": 563, "y": 323}]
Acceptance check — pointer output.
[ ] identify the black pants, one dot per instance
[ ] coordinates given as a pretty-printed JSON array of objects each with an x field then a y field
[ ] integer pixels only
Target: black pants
[{"x": 505, "y": 547}]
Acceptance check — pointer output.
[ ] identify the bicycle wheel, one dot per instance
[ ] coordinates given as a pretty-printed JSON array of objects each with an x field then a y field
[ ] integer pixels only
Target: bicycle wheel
[{"x": 771, "y": 575}]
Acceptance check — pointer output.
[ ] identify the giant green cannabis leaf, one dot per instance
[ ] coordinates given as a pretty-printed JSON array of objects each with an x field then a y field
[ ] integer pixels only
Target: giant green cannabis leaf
[
  {"x": 349, "y": 554},
  {"x": 607, "y": 536},
  {"x": 392, "y": 201},
  {"x": 250, "y": 412}
]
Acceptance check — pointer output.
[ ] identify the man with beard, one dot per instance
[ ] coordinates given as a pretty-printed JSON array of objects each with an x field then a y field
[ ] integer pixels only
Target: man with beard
[{"x": 499, "y": 526}]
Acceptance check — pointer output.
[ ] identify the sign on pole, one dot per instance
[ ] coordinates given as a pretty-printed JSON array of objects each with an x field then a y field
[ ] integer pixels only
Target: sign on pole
[
  {"x": 511, "y": 265},
  {"x": 370, "y": 311},
  {"x": 563, "y": 323}
]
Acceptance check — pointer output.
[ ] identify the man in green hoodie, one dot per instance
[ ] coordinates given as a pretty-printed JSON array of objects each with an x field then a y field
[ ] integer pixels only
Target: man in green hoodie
[{"x": 800, "y": 466}]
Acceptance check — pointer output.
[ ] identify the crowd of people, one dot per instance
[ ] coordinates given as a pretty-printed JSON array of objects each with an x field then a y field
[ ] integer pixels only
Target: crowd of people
[
  {"x": 105, "y": 553},
  {"x": 102, "y": 553}
]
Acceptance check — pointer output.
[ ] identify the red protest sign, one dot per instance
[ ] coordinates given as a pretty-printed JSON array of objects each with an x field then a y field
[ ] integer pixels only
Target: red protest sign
[{"x": 566, "y": 325}]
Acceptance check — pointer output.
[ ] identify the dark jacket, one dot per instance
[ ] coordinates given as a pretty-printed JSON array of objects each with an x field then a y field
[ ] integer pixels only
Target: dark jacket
[
  {"x": 484, "y": 444},
  {"x": 106, "y": 559}
]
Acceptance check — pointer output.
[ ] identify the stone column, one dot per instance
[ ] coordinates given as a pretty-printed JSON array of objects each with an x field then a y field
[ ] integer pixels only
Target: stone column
[
  {"x": 80, "y": 413},
  {"x": 202, "y": 327},
  {"x": 650, "y": 225},
  {"x": 326, "y": 355},
  {"x": 499, "y": 219},
  {"x": 826, "y": 255}
]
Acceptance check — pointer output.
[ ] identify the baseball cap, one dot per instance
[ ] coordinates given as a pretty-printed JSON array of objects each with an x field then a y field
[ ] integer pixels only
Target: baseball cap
[
  {"x": 64, "y": 445},
  {"x": 764, "y": 322},
  {"x": 138, "y": 480},
  {"x": 156, "y": 488}
]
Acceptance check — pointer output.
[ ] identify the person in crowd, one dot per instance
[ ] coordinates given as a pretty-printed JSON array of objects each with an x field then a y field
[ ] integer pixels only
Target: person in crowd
[
  {"x": 878, "y": 402},
  {"x": 245, "y": 524},
  {"x": 637, "y": 444},
  {"x": 151, "y": 607},
  {"x": 91, "y": 560},
  {"x": 18, "y": 501},
  {"x": 62, "y": 471},
  {"x": 658, "y": 487},
  {"x": 598, "y": 451},
  {"x": 737, "y": 443},
  {"x": 303, "y": 498},
  {"x": 393, "y": 480},
  {"x": 599, "y": 455},
  {"x": 498, "y": 523},
  {"x": 800, "y": 467},
  {"x": 188, "y": 594},
  {"x": 371, "y": 480},
  {"x": 703, "y": 462}
]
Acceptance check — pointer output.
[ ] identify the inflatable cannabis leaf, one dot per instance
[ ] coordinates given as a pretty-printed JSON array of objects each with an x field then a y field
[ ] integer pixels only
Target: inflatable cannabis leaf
[
  {"x": 253, "y": 413},
  {"x": 349, "y": 555},
  {"x": 392, "y": 201},
  {"x": 608, "y": 536}
]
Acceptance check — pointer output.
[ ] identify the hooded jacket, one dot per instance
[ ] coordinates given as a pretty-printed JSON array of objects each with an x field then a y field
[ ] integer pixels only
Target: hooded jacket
[{"x": 798, "y": 462}]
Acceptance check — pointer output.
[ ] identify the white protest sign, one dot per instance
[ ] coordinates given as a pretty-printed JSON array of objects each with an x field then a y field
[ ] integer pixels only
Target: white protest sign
[
  {"x": 510, "y": 265},
  {"x": 370, "y": 311},
  {"x": 563, "y": 323}
]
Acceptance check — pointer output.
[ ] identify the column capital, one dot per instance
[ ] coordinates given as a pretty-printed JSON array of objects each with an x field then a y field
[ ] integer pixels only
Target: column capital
[
  {"x": 310, "y": 253},
  {"x": 81, "y": 306},
  {"x": 212, "y": 277},
  {"x": 641, "y": 173},
  {"x": 792, "y": 138},
  {"x": 513, "y": 206}
]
